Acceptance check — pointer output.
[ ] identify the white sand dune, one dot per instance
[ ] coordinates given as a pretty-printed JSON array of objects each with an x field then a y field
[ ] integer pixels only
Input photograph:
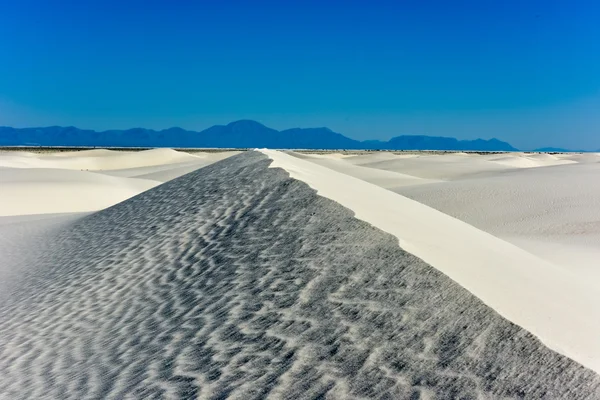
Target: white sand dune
[
  {"x": 22, "y": 239},
  {"x": 519, "y": 285},
  {"x": 83, "y": 181},
  {"x": 238, "y": 281},
  {"x": 172, "y": 170},
  {"x": 378, "y": 157},
  {"x": 383, "y": 178},
  {"x": 153, "y": 169},
  {"x": 435, "y": 167},
  {"x": 452, "y": 166},
  {"x": 581, "y": 157},
  {"x": 531, "y": 160},
  {"x": 94, "y": 160},
  {"x": 552, "y": 212},
  {"x": 539, "y": 202},
  {"x": 50, "y": 190}
]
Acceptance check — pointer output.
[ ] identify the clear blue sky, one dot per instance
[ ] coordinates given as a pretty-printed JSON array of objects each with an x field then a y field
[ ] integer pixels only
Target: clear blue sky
[{"x": 523, "y": 71}]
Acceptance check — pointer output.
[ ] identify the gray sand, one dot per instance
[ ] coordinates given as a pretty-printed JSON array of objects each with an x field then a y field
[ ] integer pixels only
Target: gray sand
[{"x": 237, "y": 281}]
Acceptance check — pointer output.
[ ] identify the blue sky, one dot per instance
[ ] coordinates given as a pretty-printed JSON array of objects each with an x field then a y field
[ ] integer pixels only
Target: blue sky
[{"x": 523, "y": 71}]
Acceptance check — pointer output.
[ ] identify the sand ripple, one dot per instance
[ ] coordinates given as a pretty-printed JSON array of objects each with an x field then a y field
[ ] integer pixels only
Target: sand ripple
[{"x": 235, "y": 281}]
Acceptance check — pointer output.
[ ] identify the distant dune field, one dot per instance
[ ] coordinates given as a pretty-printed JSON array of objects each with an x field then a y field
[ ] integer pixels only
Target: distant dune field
[
  {"x": 548, "y": 204},
  {"x": 264, "y": 274}
]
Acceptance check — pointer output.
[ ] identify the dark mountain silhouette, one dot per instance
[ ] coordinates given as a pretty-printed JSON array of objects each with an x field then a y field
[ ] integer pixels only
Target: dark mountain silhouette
[
  {"x": 239, "y": 134},
  {"x": 409, "y": 142}
]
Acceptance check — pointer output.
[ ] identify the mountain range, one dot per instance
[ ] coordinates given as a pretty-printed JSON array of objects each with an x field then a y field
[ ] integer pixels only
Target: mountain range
[{"x": 238, "y": 134}]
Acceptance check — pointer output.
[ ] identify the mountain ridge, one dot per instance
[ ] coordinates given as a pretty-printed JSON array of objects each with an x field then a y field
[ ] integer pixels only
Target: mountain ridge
[{"x": 237, "y": 134}]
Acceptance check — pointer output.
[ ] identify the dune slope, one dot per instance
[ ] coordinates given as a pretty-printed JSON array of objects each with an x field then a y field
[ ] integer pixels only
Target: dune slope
[
  {"x": 88, "y": 180},
  {"x": 553, "y": 212},
  {"x": 20, "y": 238},
  {"x": 63, "y": 190},
  {"x": 237, "y": 281},
  {"x": 95, "y": 159},
  {"x": 383, "y": 178}
]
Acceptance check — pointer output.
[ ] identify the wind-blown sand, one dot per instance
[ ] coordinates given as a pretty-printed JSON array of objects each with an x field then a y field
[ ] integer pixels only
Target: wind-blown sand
[
  {"x": 348, "y": 166},
  {"x": 23, "y": 237},
  {"x": 531, "y": 161},
  {"x": 40, "y": 193},
  {"x": 63, "y": 190},
  {"x": 81, "y": 181},
  {"x": 94, "y": 159},
  {"x": 485, "y": 265},
  {"x": 238, "y": 281},
  {"x": 552, "y": 212},
  {"x": 538, "y": 202}
]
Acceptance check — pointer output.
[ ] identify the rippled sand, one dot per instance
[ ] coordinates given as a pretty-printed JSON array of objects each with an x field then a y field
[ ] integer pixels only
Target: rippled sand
[{"x": 236, "y": 281}]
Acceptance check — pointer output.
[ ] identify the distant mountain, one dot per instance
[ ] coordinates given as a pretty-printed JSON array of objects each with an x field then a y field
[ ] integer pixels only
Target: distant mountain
[
  {"x": 443, "y": 143},
  {"x": 239, "y": 134}
]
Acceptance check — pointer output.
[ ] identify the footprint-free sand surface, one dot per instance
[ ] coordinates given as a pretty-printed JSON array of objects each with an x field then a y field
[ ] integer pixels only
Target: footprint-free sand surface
[
  {"x": 547, "y": 204},
  {"x": 90, "y": 180},
  {"x": 273, "y": 275},
  {"x": 41, "y": 192}
]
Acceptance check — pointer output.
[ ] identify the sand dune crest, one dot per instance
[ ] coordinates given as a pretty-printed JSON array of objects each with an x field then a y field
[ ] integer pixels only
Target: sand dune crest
[{"x": 237, "y": 281}]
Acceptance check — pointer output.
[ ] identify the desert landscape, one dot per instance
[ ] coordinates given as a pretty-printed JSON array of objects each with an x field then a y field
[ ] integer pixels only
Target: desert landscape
[{"x": 253, "y": 274}]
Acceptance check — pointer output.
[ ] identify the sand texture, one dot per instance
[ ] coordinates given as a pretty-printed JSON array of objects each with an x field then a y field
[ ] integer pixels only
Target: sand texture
[
  {"x": 237, "y": 281},
  {"x": 547, "y": 204},
  {"x": 554, "y": 303},
  {"x": 89, "y": 180}
]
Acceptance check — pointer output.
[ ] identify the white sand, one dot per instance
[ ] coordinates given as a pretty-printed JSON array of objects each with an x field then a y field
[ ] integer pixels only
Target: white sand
[
  {"x": 552, "y": 212},
  {"x": 237, "y": 281},
  {"x": 171, "y": 170},
  {"x": 383, "y": 178},
  {"x": 531, "y": 161},
  {"x": 91, "y": 180},
  {"x": 454, "y": 166},
  {"x": 94, "y": 159},
  {"x": 549, "y": 301},
  {"x": 42, "y": 193},
  {"x": 429, "y": 166},
  {"x": 49, "y": 190},
  {"x": 548, "y": 204},
  {"x": 545, "y": 206},
  {"x": 22, "y": 238}
]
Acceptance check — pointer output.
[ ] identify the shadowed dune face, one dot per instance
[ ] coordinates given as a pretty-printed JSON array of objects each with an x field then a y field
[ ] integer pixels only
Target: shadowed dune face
[{"x": 237, "y": 281}]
